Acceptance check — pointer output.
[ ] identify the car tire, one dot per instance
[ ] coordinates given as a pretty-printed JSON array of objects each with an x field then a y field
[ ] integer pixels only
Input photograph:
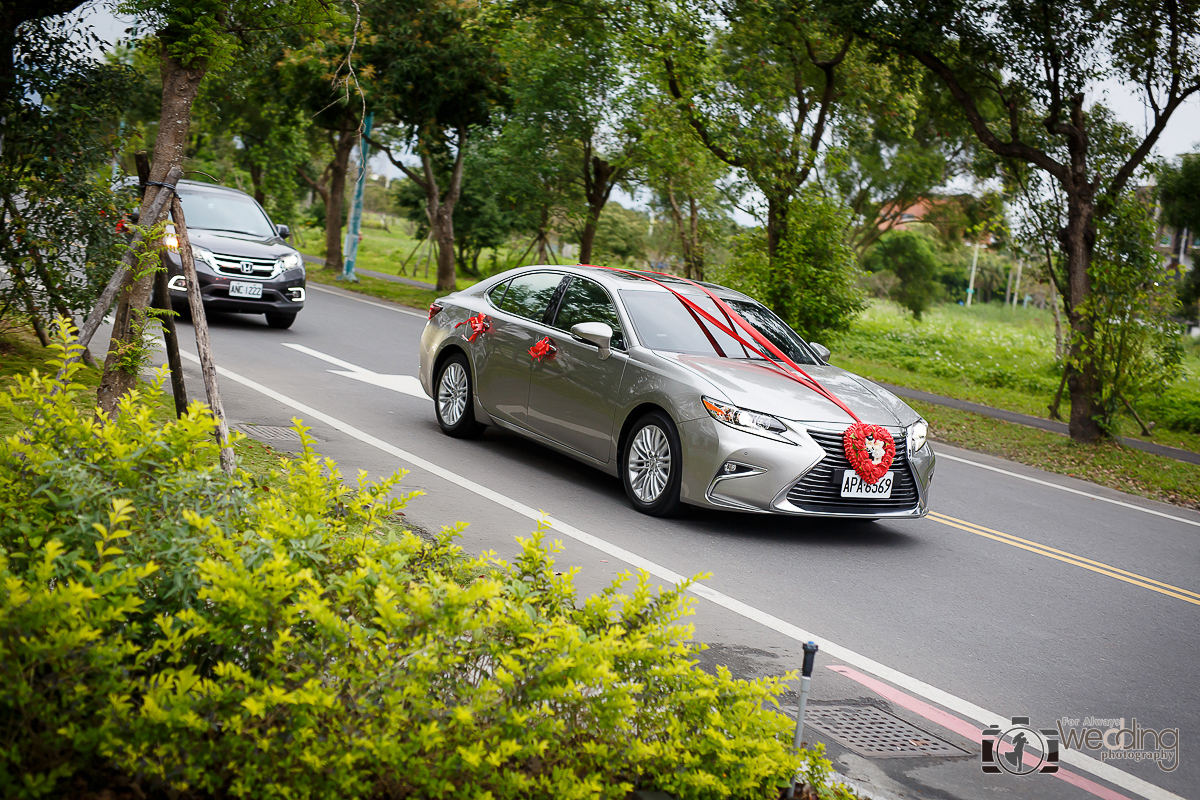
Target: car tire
[
  {"x": 281, "y": 321},
  {"x": 652, "y": 465},
  {"x": 454, "y": 399}
]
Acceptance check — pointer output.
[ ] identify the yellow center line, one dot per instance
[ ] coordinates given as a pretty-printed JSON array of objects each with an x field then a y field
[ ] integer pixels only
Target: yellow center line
[{"x": 1070, "y": 558}]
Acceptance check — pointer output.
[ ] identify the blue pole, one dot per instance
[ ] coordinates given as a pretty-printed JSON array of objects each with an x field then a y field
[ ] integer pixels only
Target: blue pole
[{"x": 355, "y": 223}]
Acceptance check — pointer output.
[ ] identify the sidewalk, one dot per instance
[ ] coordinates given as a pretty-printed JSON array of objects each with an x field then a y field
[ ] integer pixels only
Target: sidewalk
[
  {"x": 1034, "y": 422},
  {"x": 370, "y": 273}
]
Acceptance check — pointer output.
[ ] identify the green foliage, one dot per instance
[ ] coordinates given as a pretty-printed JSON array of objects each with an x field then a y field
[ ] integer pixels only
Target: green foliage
[
  {"x": 172, "y": 629},
  {"x": 812, "y": 283},
  {"x": 1135, "y": 346},
  {"x": 58, "y": 216},
  {"x": 910, "y": 257},
  {"x": 1179, "y": 193}
]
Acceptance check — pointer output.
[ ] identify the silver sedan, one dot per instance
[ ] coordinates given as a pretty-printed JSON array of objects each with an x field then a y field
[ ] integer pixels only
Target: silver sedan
[{"x": 617, "y": 371}]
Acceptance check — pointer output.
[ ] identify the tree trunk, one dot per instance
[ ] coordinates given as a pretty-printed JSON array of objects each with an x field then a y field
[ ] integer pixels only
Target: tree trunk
[
  {"x": 180, "y": 85},
  {"x": 256, "y": 179},
  {"x": 1083, "y": 378},
  {"x": 588, "y": 238},
  {"x": 443, "y": 234},
  {"x": 337, "y": 198},
  {"x": 777, "y": 209}
]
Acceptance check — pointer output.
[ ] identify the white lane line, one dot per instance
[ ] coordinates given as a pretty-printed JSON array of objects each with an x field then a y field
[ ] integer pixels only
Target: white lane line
[
  {"x": 404, "y": 384},
  {"x": 918, "y": 687},
  {"x": 1041, "y": 482},
  {"x": 350, "y": 296}
]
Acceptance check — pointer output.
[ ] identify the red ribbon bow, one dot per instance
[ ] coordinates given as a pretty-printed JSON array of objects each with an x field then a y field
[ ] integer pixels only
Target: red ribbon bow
[
  {"x": 479, "y": 324},
  {"x": 542, "y": 348},
  {"x": 870, "y": 449}
]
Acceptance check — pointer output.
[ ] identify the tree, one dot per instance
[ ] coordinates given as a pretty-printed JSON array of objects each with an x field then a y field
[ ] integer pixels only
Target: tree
[
  {"x": 762, "y": 88},
  {"x": 909, "y": 256},
  {"x": 192, "y": 38},
  {"x": 891, "y": 161},
  {"x": 812, "y": 284},
  {"x": 315, "y": 76},
  {"x": 573, "y": 91},
  {"x": 1039, "y": 62},
  {"x": 1179, "y": 192},
  {"x": 684, "y": 178},
  {"x": 437, "y": 80},
  {"x": 58, "y": 216}
]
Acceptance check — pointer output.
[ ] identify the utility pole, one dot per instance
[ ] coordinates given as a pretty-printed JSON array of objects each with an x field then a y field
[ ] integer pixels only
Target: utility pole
[
  {"x": 351, "y": 246},
  {"x": 971, "y": 285}
]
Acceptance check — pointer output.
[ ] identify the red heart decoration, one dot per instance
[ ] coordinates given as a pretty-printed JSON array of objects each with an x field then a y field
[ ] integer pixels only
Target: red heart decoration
[
  {"x": 479, "y": 324},
  {"x": 859, "y": 440},
  {"x": 542, "y": 348}
]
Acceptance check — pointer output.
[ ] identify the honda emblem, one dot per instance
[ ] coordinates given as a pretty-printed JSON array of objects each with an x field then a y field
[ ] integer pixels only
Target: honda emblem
[{"x": 247, "y": 267}]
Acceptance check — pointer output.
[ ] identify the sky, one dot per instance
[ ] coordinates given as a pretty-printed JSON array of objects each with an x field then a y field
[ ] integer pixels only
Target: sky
[{"x": 1182, "y": 134}]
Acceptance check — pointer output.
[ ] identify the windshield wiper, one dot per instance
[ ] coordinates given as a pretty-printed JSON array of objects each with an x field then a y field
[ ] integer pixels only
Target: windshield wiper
[{"x": 225, "y": 230}]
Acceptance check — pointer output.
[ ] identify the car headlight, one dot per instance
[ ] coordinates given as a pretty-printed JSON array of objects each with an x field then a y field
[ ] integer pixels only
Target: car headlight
[
  {"x": 288, "y": 261},
  {"x": 917, "y": 433},
  {"x": 745, "y": 420},
  {"x": 204, "y": 256}
]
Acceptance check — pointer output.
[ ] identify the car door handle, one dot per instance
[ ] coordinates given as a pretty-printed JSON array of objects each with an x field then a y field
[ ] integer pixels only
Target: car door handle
[{"x": 543, "y": 348}]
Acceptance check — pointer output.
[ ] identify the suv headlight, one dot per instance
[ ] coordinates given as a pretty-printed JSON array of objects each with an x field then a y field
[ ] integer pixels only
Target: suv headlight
[
  {"x": 917, "y": 433},
  {"x": 205, "y": 256},
  {"x": 288, "y": 261},
  {"x": 745, "y": 420}
]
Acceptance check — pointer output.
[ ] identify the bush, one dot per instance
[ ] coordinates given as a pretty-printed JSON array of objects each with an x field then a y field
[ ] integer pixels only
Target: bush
[
  {"x": 910, "y": 257},
  {"x": 812, "y": 283},
  {"x": 169, "y": 630}
]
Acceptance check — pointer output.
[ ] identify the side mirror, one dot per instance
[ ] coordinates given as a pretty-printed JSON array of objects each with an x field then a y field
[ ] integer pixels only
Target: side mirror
[
  {"x": 133, "y": 215},
  {"x": 821, "y": 350},
  {"x": 597, "y": 333},
  {"x": 284, "y": 231}
]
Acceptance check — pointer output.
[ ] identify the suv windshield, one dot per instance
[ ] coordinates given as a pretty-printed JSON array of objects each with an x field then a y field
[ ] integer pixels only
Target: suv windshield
[
  {"x": 663, "y": 323},
  {"x": 224, "y": 211}
]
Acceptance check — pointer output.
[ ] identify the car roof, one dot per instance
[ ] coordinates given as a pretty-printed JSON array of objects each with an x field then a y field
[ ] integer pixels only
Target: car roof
[
  {"x": 621, "y": 279},
  {"x": 214, "y": 188}
]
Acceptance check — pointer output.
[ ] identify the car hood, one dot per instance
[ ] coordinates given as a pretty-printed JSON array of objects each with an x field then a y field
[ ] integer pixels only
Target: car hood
[
  {"x": 243, "y": 245},
  {"x": 758, "y": 386}
]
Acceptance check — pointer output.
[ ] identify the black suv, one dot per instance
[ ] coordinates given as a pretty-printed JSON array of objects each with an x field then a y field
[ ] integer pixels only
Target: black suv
[{"x": 243, "y": 261}]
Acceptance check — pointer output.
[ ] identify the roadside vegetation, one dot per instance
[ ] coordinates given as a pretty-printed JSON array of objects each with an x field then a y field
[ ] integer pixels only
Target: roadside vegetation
[{"x": 277, "y": 633}]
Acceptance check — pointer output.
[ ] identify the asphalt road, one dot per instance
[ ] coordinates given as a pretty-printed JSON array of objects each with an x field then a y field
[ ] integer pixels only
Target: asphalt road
[{"x": 1024, "y": 594}]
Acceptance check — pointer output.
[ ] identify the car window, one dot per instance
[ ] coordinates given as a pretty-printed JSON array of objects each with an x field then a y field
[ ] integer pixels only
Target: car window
[
  {"x": 664, "y": 323},
  {"x": 529, "y": 295},
  {"x": 496, "y": 293},
  {"x": 586, "y": 301},
  {"x": 221, "y": 211}
]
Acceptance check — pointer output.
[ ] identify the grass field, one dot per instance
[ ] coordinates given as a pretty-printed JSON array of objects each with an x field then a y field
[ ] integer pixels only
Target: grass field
[{"x": 989, "y": 354}]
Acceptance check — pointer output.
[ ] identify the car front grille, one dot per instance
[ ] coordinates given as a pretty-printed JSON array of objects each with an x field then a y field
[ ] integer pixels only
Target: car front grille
[
  {"x": 260, "y": 268},
  {"x": 820, "y": 488}
]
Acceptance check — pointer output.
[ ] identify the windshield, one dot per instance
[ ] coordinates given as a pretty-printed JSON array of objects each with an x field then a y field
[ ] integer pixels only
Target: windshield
[
  {"x": 213, "y": 211},
  {"x": 663, "y": 323}
]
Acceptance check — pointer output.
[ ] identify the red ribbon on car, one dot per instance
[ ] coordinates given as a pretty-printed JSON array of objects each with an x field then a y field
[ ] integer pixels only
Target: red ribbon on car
[
  {"x": 479, "y": 324},
  {"x": 781, "y": 363},
  {"x": 542, "y": 348}
]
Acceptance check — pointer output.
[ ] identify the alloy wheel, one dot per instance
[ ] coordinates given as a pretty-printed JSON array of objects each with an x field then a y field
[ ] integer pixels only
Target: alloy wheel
[
  {"x": 452, "y": 393},
  {"x": 649, "y": 463}
]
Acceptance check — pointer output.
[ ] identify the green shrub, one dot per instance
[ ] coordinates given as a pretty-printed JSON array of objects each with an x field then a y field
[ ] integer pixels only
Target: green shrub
[
  {"x": 178, "y": 632},
  {"x": 812, "y": 282},
  {"x": 910, "y": 256}
]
